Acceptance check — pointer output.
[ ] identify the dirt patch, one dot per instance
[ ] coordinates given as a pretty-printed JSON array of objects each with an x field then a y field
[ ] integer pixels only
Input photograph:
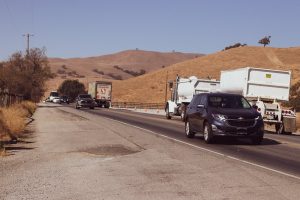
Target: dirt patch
[{"x": 110, "y": 150}]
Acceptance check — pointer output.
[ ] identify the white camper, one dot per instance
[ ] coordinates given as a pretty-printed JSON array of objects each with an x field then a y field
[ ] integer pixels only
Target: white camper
[
  {"x": 265, "y": 89},
  {"x": 183, "y": 91}
]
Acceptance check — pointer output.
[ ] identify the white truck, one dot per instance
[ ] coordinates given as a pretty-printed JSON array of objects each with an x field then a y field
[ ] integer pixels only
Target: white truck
[
  {"x": 183, "y": 91},
  {"x": 101, "y": 92},
  {"x": 265, "y": 89}
]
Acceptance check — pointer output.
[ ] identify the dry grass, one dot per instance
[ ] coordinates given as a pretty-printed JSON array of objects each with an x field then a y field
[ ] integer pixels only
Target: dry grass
[
  {"x": 13, "y": 119},
  {"x": 139, "y": 89}
]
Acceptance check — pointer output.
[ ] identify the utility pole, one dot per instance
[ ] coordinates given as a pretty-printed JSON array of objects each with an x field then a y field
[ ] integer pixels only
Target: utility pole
[{"x": 28, "y": 39}]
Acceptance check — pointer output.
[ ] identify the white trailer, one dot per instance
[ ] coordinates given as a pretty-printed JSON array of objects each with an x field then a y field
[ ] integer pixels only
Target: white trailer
[
  {"x": 183, "y": 91},
  {"x": 265, "y": 89},
  {"x": 101, "y": 92}
]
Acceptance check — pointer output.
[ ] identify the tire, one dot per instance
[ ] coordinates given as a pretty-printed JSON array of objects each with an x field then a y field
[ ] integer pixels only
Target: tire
[
  {"x": 188, "y": 132},
  {"x": 279, "y": 128},
  {"x": 257, "y": 140},
  {"x": 168, "y": 116},
  {"x": 207, "y": 133},
  {"x": 92, "y": 107}
]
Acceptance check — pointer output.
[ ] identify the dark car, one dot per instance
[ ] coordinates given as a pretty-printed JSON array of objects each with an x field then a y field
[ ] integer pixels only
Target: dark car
[
  {"x": 221, "y": 114},
  {"x": 64, "y": 99},
  {"x": 84, "y": 101}
]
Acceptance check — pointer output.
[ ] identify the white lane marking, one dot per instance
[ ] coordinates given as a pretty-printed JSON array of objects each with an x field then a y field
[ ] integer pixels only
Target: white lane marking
[{"x": 208, "y": 150}]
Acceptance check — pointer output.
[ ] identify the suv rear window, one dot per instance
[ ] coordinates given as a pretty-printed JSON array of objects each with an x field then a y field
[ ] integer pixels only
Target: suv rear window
[{"x": 228, "y": 102}]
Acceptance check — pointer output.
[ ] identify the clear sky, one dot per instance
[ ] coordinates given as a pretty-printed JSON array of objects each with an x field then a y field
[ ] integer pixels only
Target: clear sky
[{"x": 80, "y": 28}]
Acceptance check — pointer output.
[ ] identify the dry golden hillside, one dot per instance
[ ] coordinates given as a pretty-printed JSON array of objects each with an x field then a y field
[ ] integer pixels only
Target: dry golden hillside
[
  {"x": 134, "y": 60},
  {"x": 151, "y": 87},
  {"x": 83, "y": 69}
]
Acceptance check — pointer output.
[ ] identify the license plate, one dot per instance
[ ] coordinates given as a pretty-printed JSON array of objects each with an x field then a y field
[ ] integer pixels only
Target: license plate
[{"x": 242, "y": 132}]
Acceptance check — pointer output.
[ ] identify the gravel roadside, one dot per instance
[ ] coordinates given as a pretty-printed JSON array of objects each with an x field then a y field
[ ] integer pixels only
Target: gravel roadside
[{"x": 71, "y": 154}]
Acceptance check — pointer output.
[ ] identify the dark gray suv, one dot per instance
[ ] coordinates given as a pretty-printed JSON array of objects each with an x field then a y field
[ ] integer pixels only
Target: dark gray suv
[
  {"x": 84, "y": 101},
  {"x": 221, "y": 114}
]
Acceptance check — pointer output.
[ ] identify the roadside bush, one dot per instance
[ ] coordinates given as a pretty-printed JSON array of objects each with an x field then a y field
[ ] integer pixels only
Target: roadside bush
[
  {"x": 71, "y": 88},
  {"x": 13, "y": 119},
  {"x": 26, "y": 74}
]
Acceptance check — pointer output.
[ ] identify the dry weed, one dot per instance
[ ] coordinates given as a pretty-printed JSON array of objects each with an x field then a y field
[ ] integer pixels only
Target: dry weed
[{"x": 12, "y": 119}]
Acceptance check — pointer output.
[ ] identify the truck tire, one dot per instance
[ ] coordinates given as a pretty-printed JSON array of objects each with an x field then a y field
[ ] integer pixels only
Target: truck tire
[
  {"x": 188, "y": 131},
  {"x": 207, "y": 133},
  {"x": 168, "y": 116},
  {"x": 106, "y": 105},
  {"x": 279, "y": 128}
]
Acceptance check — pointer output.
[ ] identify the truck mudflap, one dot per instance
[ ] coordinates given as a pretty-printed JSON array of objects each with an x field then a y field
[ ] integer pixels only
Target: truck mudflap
[{"x": 289, "y": 124}]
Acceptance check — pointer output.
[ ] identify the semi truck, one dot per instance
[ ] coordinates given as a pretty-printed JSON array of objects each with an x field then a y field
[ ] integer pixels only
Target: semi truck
[
  {"x": 101, "y": 92},
  {"x": 183, "y": 90},
  {"x": 265, "y": 89}
]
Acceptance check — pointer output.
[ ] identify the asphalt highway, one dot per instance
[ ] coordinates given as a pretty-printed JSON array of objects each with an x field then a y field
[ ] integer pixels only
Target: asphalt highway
[{"x": 277, "y": 152}]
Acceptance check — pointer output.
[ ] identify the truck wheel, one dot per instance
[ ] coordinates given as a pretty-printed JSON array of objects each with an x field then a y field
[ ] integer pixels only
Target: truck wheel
[
  {"x": 207, "y": 133},
  {"x": 188, "y": 132},
  {"x": 168, "y": 116},
  {"x": 279, "y": 128}
]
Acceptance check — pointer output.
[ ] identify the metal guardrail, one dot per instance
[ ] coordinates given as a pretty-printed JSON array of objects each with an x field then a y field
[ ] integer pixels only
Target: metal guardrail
[
  {"x": 7, "y": 99},
  {"x": 137, "y": 105}
]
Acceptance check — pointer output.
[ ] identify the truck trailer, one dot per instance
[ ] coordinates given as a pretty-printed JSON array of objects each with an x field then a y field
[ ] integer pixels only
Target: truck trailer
[
  {"x": 101, "y": 92},
  {"x": 183, "y": 90},
  {"x": 265, "y": 89}
]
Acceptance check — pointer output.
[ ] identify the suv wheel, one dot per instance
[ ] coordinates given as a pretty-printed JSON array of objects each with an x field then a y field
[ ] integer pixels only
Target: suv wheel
[
  {"x": 207, "y": 133},
  {"x": 257, "y": 140},
  {"x": 188, "y": 132}
]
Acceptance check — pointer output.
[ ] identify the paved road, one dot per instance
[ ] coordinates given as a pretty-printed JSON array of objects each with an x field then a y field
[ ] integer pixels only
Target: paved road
[
  {"x": 84, "y": 154},
  {"x": 279, "y": 152}
]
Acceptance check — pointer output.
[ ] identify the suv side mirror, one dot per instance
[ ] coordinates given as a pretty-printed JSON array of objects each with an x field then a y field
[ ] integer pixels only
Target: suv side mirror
[{"x": 255, "y": 107}]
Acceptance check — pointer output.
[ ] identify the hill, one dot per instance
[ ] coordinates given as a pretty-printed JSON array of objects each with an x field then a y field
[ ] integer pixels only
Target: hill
[
  {"x": 151, "y": 87},
  {"x": 122, "y": 65}
]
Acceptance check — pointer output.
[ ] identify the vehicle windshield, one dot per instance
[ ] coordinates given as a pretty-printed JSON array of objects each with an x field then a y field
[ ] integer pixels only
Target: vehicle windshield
[
  {"x": 85, "y": 96},
  {"x": 54, "y": 94},
  {"x": 235, "y": 102}
]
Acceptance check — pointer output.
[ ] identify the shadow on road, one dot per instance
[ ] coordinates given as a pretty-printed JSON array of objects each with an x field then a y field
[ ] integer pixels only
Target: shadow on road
[{"x": 240, "y": 141}]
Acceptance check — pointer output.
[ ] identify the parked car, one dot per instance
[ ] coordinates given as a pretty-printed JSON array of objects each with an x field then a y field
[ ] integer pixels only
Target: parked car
[
  {"x": 222, "y": 114},
  {"x": 56, "y": 100},
  {"x": 84, "y": 101},
  {"x": 64, "y": 99}
]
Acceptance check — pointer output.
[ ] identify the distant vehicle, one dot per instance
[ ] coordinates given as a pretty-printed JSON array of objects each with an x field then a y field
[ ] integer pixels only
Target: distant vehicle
[
  {"x": 264, "y": 88},
  {"x": 53, "y": 94},
  {"x": 221, "y": 114},
  {"x": 64, "y": 99},
  {"x": 101, "y": 92},
  {"x": 183, "y": 91},
  {"x": 84, "y": 101},
  {"x": 56, "y": 100}
]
